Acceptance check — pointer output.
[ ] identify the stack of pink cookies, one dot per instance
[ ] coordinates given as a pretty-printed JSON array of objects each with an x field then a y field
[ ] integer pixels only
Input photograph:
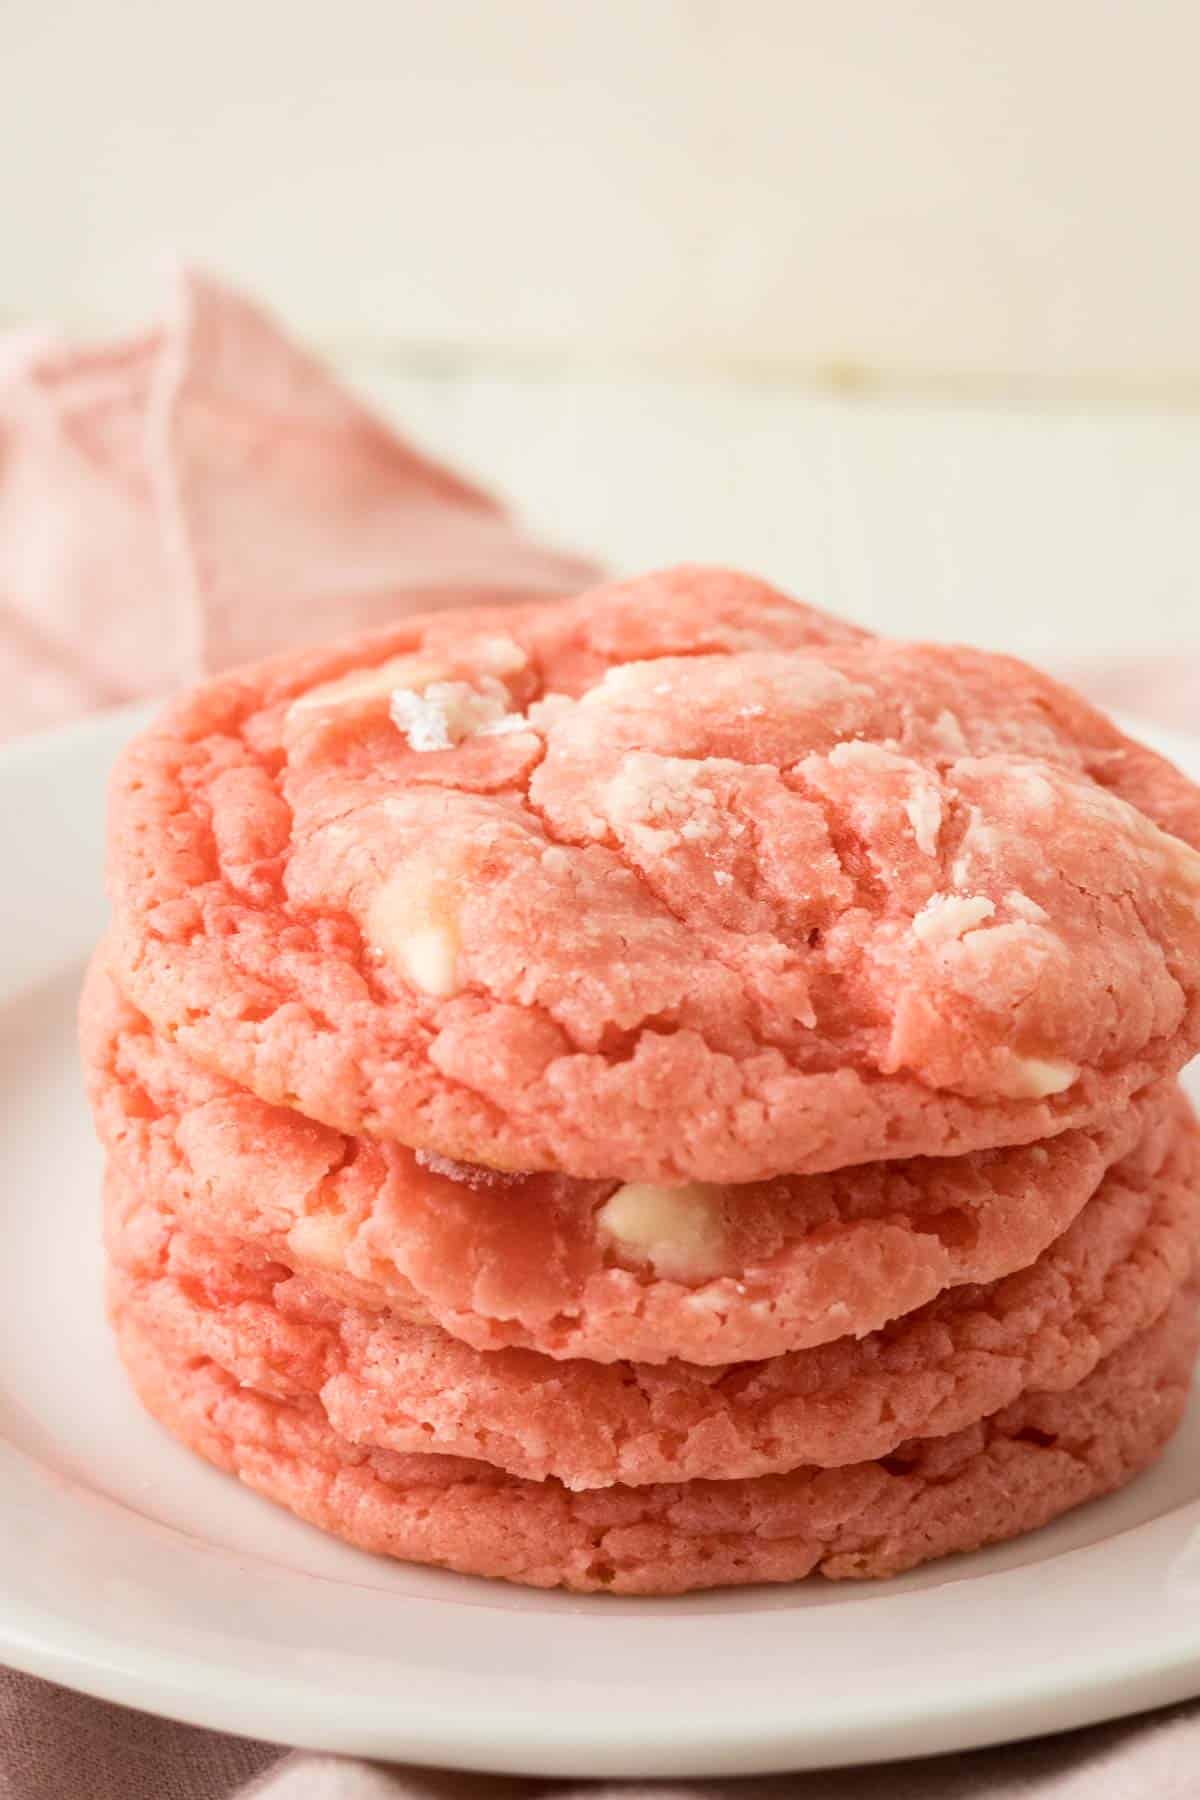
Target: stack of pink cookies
[{"x": 654, "y": 1092}]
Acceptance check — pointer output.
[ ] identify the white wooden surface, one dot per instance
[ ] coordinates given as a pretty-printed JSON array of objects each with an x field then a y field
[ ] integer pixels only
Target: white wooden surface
[{"x": 1041, "y": 531}]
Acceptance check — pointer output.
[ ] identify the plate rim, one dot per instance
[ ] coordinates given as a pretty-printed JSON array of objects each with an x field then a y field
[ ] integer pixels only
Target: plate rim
[{"x": 1089, "y": 1689}]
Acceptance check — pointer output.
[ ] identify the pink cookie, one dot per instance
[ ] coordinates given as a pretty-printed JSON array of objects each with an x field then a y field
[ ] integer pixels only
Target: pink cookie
[
  {"x": 677, "y": 880},
  {"x": 387, "y": 1383},
  {"x": 1007, "y": 1475},
  {"x": 569, "y": 1268}
]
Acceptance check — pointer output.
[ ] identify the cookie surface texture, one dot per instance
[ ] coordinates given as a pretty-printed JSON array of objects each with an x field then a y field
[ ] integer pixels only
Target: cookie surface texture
[{"x": 679, "y": 880}]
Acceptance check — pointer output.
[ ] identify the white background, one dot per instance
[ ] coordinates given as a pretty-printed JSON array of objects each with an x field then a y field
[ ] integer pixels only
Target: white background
[{"x": 895, "y": 300}]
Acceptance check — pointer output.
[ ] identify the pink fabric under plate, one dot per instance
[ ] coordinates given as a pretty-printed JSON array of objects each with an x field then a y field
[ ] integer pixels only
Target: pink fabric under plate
[{"x": 204, "y": 493}]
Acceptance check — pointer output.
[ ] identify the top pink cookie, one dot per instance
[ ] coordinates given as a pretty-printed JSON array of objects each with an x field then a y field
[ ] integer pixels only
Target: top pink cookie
[{"x": 679, "y": 879}]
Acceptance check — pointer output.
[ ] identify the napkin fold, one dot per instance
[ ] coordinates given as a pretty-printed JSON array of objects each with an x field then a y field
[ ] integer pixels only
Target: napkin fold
[{"x": 206, "y": 492}]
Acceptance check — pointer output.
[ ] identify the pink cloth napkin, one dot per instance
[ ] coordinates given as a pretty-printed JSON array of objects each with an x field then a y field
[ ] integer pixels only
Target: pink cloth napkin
[
  {"x": 57, "y": 1745},
  {"x": 1162, "y": 688},
  {"x": 205, "y": 493}
]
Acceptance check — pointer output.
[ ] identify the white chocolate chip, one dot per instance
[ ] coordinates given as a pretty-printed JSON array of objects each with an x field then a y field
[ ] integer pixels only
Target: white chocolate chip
[
  {"x": 678, "y": 1231},
  {"x": 924, "y": 809},
  {"x": 412, "y": 923},
  {"x": 430, "y": 959},
  {"x": 1036, "y": 1077},
  {"x": 321, "y": 1239},
  {"x": 370, "y": 684},
  {"x": 947, "y": 917}
]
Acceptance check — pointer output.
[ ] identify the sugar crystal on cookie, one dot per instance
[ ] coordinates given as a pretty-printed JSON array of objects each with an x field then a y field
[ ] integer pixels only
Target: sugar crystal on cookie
[
  {"x": 412, "y": 923},
  {"x": 447, "y": 712}
]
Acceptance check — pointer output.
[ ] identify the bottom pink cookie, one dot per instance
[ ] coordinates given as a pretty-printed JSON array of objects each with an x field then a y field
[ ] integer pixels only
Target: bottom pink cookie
[{"x": 1041, "y": 1456}]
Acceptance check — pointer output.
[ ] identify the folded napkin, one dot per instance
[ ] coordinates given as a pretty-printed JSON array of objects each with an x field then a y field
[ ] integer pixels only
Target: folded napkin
[{"x": 206, "y": 492}]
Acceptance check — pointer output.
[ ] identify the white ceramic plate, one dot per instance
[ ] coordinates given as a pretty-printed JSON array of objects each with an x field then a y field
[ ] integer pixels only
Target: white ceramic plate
[{"x": 133, "y": 1571}]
